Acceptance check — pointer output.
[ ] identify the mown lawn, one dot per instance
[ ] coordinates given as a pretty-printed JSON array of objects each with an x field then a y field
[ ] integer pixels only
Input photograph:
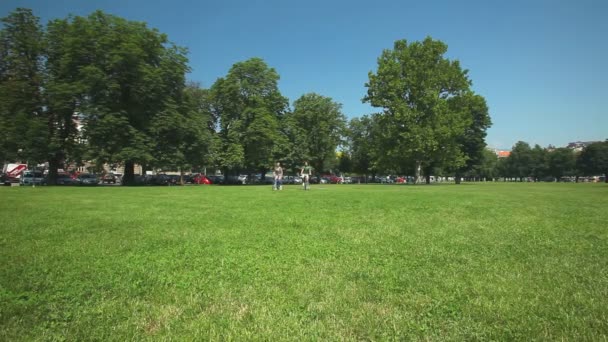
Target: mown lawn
[{"x": 342, "y": 262}]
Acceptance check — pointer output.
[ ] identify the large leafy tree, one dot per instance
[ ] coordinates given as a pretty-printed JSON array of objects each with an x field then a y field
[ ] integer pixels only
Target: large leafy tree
[
  {"x": 519, "y": 162},
  {"x": 472, "y": 141},
  {"x": 248, "y": 107},
  {"x": 64, "y": 95},
  {"x": 488, "y": 167},
  {"x": 318, "y": 127},
  {"x": 201, "y": 139},
  {"x": 415, "y": 85},
  {"x": 364, "y": 144},
  {"x": 539, "y": 163},
  {"x": 593, "y": 159},
  {"x": 561, "y": 162},
  {"x": 124, "y": 75},
  {"x": 23, "y": 121},
  {"x": 183, "y": 135}
]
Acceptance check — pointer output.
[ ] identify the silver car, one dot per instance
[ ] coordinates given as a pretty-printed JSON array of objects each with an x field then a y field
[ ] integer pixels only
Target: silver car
[
  {"x": 32, "y": 178},
  {"x": 88, "y": 179}
]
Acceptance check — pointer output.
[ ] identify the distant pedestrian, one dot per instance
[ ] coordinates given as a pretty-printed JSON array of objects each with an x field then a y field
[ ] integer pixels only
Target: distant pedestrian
[
  {"x": 278, "y": 177},
  {"x": 305, "y": 173}
]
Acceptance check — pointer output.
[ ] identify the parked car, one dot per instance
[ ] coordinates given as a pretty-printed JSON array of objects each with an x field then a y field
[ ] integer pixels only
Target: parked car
[
  {"x": 160, "y": 179},
  {"x": 333, "y": 179},
  {"x": 267, "y": 179},
  {"x": 174, "y": 179},
  {"x": 216, "y": 179},
  {"x": 88, "y": 179},
  {"x": 65, "y": 179},
  {"x": 32, "y": 178},
  {"x": 109, "y": 179},
  {"x": 188, "y": 179},
  {"x": 5, "y": 179},
  {"x": 137, "y": 180},
  {"x": 201, "y": 179}
]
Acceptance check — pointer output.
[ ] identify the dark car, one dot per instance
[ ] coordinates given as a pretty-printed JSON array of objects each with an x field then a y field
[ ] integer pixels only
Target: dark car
[
  {"x": 65, "y": 179},
  {"x": 160, "y": 179},
  {"x": 174, "y": 180},
  {"x": 139, "y": 180},
  {"x": 5, "y": 179},
  {"x": 188, "y": 179},
  {"x": 88, "y": 179},
  {"x": 216, "y": 179}
]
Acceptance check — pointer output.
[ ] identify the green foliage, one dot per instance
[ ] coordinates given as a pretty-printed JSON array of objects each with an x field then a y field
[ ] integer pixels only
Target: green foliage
[
  {"x": 561, "y": 162},
  {"x": 248, "y": 108},
  {"x": 318, "y": 127},
  {"x": 520, "y": 160},
  {"x": 497, "y": 262},
  {"x": 363, "y": 141},
  {"x": 472, "y": 142},
  {"x": 119, "y": 75},
  {"x": 21, "y": 79},
  {"x": 200, "y": 139},
  {"x": 594, "y": 159},
  {"x": 419, "y": 91},
  {"x": 487, "y": 167},
  {"x": 345, "y": 162}
]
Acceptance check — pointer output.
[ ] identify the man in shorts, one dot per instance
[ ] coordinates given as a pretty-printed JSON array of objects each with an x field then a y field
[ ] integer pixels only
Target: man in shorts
[
  {"x": 278, "y": 177},
  {"x": 306, "y": 172}
]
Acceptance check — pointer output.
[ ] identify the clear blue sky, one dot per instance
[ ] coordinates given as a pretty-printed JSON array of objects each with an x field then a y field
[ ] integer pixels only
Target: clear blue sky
[{"x": 541, "y": 65}]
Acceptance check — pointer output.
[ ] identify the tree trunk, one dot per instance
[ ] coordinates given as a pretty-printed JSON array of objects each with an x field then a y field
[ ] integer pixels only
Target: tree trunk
[
  {"x": 128, "y": 178},
  {"x": 418, "y": 167},
  {"x": 53, "y": 166},
  {"x": 144, "y": 167},
  {"x": 606, "y": 177},
  {"x": 263, "y": 175},
  {"x": 427, "y": 174},
  {"x": 457, "y": 178}
]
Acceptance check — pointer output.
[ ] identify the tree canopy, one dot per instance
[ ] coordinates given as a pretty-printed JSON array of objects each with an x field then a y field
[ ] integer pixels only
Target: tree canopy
[
  {"x": 248, "y": 107},
  {"x": 427, "y": 105},
  {"x": 318, "y": 127}
]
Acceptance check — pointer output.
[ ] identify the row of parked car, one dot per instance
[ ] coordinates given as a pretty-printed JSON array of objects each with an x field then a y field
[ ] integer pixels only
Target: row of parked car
[
  {"x": 164, "y": 179},
  {"x": 39, "y": 178}
]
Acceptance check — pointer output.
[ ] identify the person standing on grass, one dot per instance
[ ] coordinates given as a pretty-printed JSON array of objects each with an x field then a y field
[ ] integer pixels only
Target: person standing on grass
[
  {"x": 305, "y": 173},
  {"x": 278, "y": 177}
]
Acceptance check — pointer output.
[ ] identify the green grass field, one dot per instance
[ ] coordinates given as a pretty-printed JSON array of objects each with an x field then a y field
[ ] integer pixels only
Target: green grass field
[{"x": 340, "y": 262}]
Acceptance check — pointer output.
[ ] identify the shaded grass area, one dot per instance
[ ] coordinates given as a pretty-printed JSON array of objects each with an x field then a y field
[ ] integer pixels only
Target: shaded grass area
[{"x": 339, "y": 262}]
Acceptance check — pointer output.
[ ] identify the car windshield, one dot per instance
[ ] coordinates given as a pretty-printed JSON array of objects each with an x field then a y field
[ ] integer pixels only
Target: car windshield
[
  {"x": 33, "y": 174},
  {"x": 86, "y": 176}
]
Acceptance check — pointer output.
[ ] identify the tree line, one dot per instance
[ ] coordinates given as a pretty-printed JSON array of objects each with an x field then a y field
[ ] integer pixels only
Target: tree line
[
  {"x": 125, "y": 85},
  {"x": 105, "y": 89},
  {"x": 553, "y": 164}
]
